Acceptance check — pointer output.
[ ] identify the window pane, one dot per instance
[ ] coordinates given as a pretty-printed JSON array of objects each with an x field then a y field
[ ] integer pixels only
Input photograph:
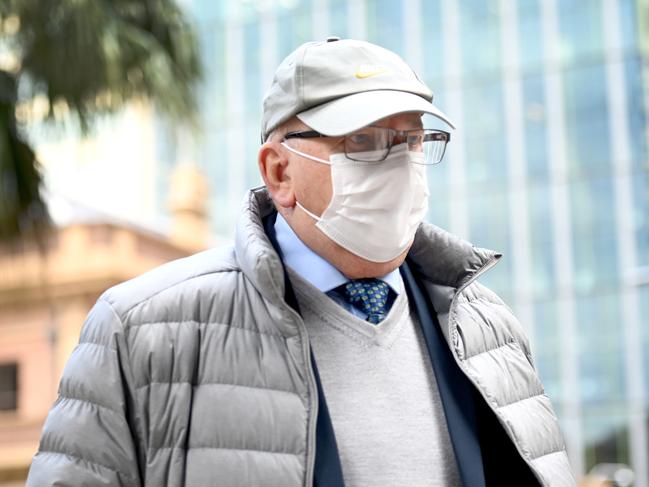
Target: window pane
[{"x": 8, "y": 387}]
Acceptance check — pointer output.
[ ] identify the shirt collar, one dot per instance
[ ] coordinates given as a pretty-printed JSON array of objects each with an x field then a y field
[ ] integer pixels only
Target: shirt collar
[{"x": 313, "y": 268}]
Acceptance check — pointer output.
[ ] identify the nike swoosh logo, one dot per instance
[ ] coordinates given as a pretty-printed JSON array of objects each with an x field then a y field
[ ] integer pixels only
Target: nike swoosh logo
[{"x": 369, "y": 74}]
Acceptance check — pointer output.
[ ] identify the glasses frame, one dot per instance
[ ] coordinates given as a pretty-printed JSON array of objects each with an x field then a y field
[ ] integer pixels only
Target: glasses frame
[{"x": 310, "y": 134}]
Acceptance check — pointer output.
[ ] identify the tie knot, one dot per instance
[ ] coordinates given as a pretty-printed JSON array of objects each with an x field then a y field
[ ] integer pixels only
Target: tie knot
[{"x": 370, "y": 296}]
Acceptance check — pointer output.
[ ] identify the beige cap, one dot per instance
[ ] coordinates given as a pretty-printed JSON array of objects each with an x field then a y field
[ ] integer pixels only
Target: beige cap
[{"x": 338, "y": 86}]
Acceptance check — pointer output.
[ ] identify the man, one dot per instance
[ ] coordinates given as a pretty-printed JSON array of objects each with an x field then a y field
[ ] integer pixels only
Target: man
[{"x": 341, "y": 341}]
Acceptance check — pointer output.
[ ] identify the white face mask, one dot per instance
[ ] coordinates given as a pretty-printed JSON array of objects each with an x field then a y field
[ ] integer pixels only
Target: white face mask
[{"x": 375, "y": 208}]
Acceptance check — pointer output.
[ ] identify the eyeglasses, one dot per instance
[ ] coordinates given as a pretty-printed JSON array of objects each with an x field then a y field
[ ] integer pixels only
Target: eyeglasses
[{"x": 373, "y": 144}]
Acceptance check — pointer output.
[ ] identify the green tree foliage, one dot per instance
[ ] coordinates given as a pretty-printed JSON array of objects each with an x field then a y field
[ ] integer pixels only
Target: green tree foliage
[
  {"x": 92, "y": 57},
  {"x": 22, "y": 211}
]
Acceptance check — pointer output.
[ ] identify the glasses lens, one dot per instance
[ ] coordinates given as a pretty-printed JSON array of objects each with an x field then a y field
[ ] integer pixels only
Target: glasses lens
[
  {"x": 372, "y": 144},
  {"x": 434, "y": 145},
  {"x": 369, "y": 144}
]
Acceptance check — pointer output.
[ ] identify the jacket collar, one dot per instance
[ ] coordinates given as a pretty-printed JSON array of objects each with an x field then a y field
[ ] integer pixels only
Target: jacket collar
[
  {"x": 255, "y": 254},
  {"x": 446, "y": 259},
  {"x": 436, "y": 255}
]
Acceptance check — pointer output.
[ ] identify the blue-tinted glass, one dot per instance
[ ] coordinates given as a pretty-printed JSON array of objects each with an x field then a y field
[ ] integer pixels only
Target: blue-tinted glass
[
  {"x": 489, "y": 227},
  {"x": 530, "y": 35},
  {"x": 432, "y": 44},
  {"x": 293, "y": 27},
  {"x": 547, "y": 348},
  {"x": 206, "y": 12},
  {"x": 165, "y": 156},
  {"x": 484, "y": 131},
  {"x": 438, "y": 213},
  {"x": 594, "y": 244},
  {"x": 245, "y": 12},
  {"x": 536, "y": 150},
  {"x": 212, "y": 89},
  {"x": 252, "y": 176},
  {"x": 489, "y": 212},
  {"x": 385, "y": 24},
  {"x": 586, "y": 114},
  {"x": 628, "y": 22},
  {"x": 643, "y": 303},
  {"x": 637, "y": 117},
  {"x": 543, "y": 279},
  {"x": 304, "y": 22},
  {"x": 580, "y": 30},
  {"x": 541, "y": 238},
  {"x": 601, "y": 360},
  {"x": 212, "y": 151},
  {"x": 252, "y": 81},
  {"x": 641, "y": 214},
  {"x": 438, "y": 207},
  {"x": 338, "y": 18},
  {"x": 285, "y": 42},
  {"x": 480, "y": 33}
]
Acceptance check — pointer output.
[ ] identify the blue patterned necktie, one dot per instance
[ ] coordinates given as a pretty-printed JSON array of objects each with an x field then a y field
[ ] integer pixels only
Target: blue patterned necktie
[{"x": 368, "y": 295}]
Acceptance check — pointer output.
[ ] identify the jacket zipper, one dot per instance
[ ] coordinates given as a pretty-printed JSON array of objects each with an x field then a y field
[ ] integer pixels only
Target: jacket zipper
[
  {"x": 452, "y": 320},
  {"x": 313, "y": 394}
]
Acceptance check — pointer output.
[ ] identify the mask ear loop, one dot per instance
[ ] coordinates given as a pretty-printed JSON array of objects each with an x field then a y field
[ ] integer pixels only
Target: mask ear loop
[
  {"x": 313, "y": 158},
  {"x": 303, "y": 154},
  {"x": 312, "y": 215}
]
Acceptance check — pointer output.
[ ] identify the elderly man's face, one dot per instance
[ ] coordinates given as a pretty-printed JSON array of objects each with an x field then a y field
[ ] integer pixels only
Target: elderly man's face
[{"x": 291, "y": 177}]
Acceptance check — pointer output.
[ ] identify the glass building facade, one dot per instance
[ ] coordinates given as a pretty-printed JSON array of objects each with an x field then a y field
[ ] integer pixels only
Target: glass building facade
[{"x": 549, "y": 165}]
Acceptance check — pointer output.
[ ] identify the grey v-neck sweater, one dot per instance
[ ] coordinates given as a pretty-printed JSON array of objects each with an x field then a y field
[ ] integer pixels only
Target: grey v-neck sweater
[{"x": 381, "y": 393}]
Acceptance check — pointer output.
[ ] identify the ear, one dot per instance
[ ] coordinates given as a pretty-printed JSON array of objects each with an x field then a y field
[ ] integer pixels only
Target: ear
[{"x": 275, "y": 169}]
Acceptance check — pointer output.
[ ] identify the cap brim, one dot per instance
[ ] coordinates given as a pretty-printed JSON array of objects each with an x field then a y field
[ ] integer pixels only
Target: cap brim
[{"x": 352, "y": 112}]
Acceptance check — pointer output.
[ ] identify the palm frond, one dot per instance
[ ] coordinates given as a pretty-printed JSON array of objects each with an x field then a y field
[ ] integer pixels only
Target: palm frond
[
  {"x": 98, "y": 55},
  {"x": 93, "y": 56},
  {"x": 22, "y": 209}
]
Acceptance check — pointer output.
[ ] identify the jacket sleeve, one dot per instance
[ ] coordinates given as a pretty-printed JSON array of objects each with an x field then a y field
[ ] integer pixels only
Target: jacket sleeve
[{"x": 86, "y": 439}]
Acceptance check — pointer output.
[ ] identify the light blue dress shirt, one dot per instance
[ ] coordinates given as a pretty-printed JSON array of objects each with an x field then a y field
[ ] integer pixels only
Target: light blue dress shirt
[{"x": 317, "y": 271}]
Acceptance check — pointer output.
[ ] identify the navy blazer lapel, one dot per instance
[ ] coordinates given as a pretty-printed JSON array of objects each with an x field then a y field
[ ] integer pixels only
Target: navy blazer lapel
[{"x": 454, "y": 388}]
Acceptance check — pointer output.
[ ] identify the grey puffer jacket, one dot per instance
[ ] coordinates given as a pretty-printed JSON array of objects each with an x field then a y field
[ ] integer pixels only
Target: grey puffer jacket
[{"x": 198, "y": 372}]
